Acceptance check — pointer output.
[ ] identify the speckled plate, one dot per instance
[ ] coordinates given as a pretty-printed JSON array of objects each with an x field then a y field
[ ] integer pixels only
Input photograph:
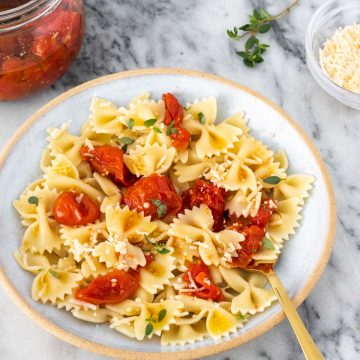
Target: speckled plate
[{"x": 303, "y": 259}]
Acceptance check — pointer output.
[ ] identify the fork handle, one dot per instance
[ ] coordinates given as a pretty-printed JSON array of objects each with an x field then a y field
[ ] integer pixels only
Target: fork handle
[{"x": 309, "y": 348}]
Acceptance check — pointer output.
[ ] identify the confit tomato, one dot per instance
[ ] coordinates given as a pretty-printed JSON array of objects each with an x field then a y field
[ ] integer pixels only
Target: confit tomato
[
  {"x": 74, "y": 209},
  {"x": 174, "y": 110},
  {"x": 253, "y": 237},
  {"x": 200, "y": 274},
  {"x": 154, "y": 195},
  {"x": 108, "y": 161},
  {"x": 112, "y": 288},
  {"x": 174, "y": 115},
  {"x": 264, "y": 214},
  {"x": 212, "y": 196},
  {"x": 180, "y": 139}
]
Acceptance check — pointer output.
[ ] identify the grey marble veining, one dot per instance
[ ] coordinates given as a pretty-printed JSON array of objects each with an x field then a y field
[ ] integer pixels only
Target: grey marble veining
[{"x": 130, "y": 34}]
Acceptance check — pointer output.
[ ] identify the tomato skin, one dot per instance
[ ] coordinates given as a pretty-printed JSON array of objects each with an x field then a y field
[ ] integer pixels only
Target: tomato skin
[
  {"x": 174, "y": 113},
  {"x": 104, "y": 291},
  {"x": 74, "y": 209},
  {"x": 174, "y": 110},
  {"x": 149, "y": 259},
  {"x": 108, "y": 161},
  {"x": 181, "y": 139},
  {"x": 264, "y": 214},
  {"x": 140, "y": 196},
  {"x": 200, "y": 273},
  {"x": 212, "y": 196},
  {"x": 253, "y": 237}
]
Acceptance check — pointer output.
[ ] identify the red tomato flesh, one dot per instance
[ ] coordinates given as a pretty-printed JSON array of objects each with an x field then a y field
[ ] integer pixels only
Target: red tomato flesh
[
  {"x": 144, "y": 192},
  {"x": 200, "y": 273},
  {"x": 212, "y": 196},
  {"x": 253, "y": 237},
  {"x": 264, "y": 214},
  {"x": 112, "y": 288},
  {"x": 180, "y": 139},
  {"x": 108, "y": 161},
  {"x": 74, "y": 209}
]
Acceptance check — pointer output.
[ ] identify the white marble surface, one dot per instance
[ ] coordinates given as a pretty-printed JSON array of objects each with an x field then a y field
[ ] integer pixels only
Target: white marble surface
[{"x": 129, "y": 34}]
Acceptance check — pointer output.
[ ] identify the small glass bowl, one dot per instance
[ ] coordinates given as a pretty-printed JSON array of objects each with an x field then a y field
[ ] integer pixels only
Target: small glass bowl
[{"x": 325, "y": 21}]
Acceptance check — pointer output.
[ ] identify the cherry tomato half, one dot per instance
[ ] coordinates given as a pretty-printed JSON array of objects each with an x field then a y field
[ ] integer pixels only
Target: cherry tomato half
[
  {"x": 173, "y": 110},
  {"x": 253, "y": 237},
  {"x": 74, "y": 209},
  {"x": 154, "y": 195},
  {"x": 212, "y": 196},
  {"x": 200, "y": 274},
  {"x": 264, "y": 214},
  {"x": 112, "y": 288},
  {"x": 180, "y": 139},
  {"x": 108, "y": 161}
]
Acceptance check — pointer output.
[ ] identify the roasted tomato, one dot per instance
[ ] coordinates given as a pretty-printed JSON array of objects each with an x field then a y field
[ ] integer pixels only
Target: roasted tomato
[
  {"x": 112, "y": 288},
  {"x": 174, "y": 115},
  {"x": 253, "y": 237},
  {"x": 264, "y": 214},
  {"x": 200, "y": 275},
  {"x": 154, "y": 195},
  {"x": 73, "y": 209},
  {"x": 180, "y": 139},
  {"x": 212, "y": 196},
  {"x": 149, "y": 259},
  {"x": 174, "y": 110},
  {"x": 108, "y": 161}
]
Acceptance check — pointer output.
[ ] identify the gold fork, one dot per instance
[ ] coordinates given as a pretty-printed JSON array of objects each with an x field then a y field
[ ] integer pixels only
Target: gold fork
[{"x": 309, "y": 348}]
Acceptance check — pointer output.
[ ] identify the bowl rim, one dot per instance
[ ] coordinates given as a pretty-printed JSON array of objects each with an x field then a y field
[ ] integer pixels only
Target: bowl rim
[
  {"x": 315, "y": 68},
  {"x": 75, "y": 340}
]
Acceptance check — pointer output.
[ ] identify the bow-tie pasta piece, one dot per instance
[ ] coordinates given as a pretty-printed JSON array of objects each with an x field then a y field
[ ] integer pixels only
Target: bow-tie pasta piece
[
  {"x": 206, "y": 106},
  {"x": 106, "y": 185},
  {"x": 64, "y": 183},
  {"x": 27, "y": 205},
  {"x": 81, "y": 240},
  {"x": 140, "y": 109},
  {"x": 94, "y": 316},
  {"x": 238, "y": 120},
  {"x": 147, "y": 160},
  {"x": 43, "y": 234},
  {"x": 91, "y": 267},
  {"x": 220, "y": 322},
  {"x": 61, "y": 141},
  {"x": 53, "y": 284},
  {"x": 61, "y": 165},
  {"x": 285, "y": 220},
  {"x": 185, "y": 334},
  {"x": 124, "y": 223},
  {"x": 253, "y": 297},
  {"x": 104, "y": 117},
  {"x": 281, "y": 158},
  {"x": 294, "y": 186},
  {"x": 31, "y": 262},
  {"x": 94, "y": 138},
  {"x": 158, "y": 273}
]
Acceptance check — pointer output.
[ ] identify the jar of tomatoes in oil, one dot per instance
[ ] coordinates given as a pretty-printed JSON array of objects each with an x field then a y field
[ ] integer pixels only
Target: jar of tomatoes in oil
[{"x": 39, "y": 39}]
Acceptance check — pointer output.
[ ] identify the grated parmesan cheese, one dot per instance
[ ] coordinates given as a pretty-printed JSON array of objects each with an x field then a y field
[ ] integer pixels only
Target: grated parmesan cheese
[{"x": 340, "y": 57}]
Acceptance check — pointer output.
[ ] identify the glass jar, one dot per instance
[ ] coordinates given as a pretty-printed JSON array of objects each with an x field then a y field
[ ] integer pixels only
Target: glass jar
[{"x": 39, "y": 39}]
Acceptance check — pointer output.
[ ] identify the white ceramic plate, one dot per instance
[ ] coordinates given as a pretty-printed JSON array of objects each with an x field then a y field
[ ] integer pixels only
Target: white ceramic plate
[{"x": 303, "y": 258}]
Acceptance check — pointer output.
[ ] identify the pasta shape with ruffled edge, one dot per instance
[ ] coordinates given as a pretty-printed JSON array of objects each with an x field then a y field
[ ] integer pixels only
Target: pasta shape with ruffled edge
[
  {"x": 158, "y": 273},
  {"x": 206, "y": 106},
  {"x": 61, "y": 165},
  {"x": 33, "y": 263},
  {"x": 238, "y": 120},
  {"x": 285, "y": 220},
  {"x": 194, "y": 226},
  {"x": 253, "y": 297},
  {"x": 294, "y": 186},
  {"x": 140, "y": 109},
  {"x": 133, "y": 317},
  {"x": 146, "y": 160},
  {"x": 104, "y": 117},
  {"x": 53, "y": 284},
  {"x": 61, "y": 141}
]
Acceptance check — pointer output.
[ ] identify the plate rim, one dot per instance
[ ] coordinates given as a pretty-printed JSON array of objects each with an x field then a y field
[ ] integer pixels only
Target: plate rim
[{"x": 95, "y": 347}]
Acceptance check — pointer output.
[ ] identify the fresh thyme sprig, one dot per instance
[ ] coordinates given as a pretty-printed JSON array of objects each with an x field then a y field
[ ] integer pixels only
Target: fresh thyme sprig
[{"x": 260, "y": 22}]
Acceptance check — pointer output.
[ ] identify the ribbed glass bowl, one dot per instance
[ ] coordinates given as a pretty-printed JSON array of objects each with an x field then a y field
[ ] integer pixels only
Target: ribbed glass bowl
[{"x": 325, "y": 21}]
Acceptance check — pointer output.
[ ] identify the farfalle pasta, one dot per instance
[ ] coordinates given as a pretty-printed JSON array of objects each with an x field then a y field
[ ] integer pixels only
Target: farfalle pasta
[{"x": 150, "y": 219}]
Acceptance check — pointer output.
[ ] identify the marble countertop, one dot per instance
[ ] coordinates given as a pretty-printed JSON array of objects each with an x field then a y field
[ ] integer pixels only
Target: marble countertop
[{"x": 130, "y": 34}]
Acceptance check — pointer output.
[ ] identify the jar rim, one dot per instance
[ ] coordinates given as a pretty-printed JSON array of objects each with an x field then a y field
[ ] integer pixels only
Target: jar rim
[{"x": 19, "y": 16}]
